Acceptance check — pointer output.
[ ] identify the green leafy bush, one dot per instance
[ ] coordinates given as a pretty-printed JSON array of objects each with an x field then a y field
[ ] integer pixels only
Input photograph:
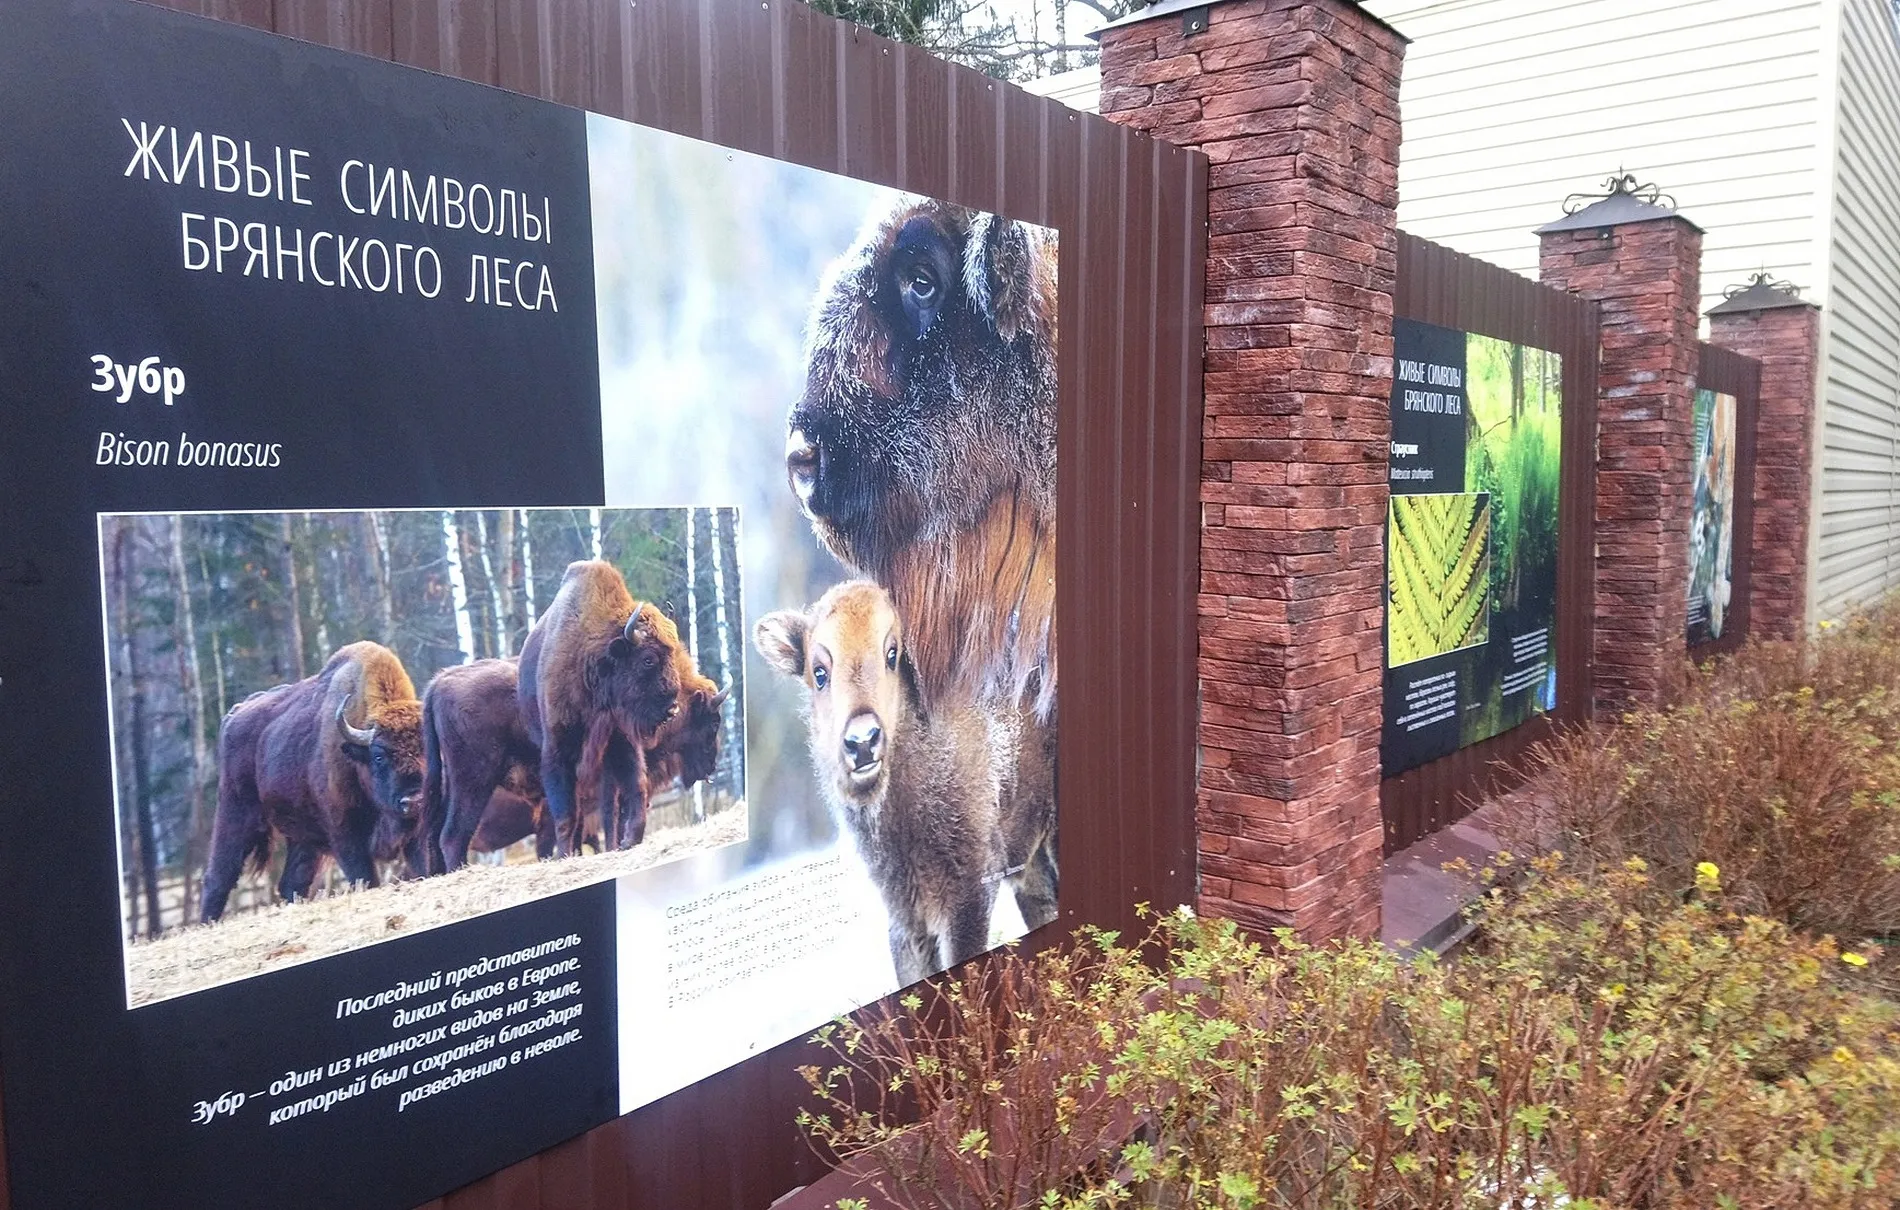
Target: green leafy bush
[{"x": 1598, "y": 1053}]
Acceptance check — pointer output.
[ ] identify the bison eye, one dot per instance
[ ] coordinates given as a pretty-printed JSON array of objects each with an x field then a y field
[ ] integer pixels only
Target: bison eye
[
  {"x": 922, "y": 284},
  {"x": 820, "y": 676},
  {"x": 890, "y": 657}
]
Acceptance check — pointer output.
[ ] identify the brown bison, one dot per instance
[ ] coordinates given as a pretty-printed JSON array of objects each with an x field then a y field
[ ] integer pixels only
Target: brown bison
[
  {"x": 292, "y": 761},
  {"x": 929, "y": 795},
  {"x": 483, "y": 768},
  {"x": 924, "y": 445},
  {"x": 473, "y": 740},
  {"x": 598, "y": 675}
]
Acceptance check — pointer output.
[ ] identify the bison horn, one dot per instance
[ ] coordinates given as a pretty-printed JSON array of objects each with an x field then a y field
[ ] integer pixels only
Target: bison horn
[
  {"x": 719, "y": 699},
  {"x": 358, "y": 735},
  {"x": 633, "y": 623}
]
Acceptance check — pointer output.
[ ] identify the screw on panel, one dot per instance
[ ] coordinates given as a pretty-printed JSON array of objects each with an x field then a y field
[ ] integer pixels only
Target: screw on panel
[{"x": 1194, "y": 20}]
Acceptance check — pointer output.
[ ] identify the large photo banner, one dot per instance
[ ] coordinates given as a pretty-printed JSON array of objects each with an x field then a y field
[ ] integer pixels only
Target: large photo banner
[
  {"x": 1712, "y": 523},
  {"x": 1471, "y": 540},
  {"x": 506, "y": 612}
]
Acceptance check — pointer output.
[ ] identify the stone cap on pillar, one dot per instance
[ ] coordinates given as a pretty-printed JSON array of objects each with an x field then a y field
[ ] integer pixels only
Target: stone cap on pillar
[
  {"x": 1762, "y": 293},
  {"x": 1193, "y": 15},
  {"x": 1625, "y": 201}
]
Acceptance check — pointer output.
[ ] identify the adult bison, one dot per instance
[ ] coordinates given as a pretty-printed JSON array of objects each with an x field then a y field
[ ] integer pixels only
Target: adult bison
[
  {"x": 483, "y": 768},
  {"x": 924, "y": 445},
  {"x": 473, "y": 740},
  {"x": 292, "y": 761},
  {"x": 598, "y": 676}
]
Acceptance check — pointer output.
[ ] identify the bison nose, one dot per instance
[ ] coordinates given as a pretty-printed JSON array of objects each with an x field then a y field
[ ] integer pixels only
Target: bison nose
[
  {"x": 863, "y": 742},
  {"x": 801, "y": 464}
]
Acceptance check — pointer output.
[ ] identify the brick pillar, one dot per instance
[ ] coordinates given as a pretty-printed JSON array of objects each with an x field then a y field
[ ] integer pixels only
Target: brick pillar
[
  {"x": 1642, "y": 264},
  {"x": 1783, "y": 332},
  {"x": 1295, "y": 103}
]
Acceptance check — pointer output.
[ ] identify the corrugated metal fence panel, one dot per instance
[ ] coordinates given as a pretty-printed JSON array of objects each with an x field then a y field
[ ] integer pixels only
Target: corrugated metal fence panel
[
  {"x": 1858, "y": 530},
  {"x": 1439, "y": 286},
  {"x": 777, "y": 78},
  {"x": 1731, "y": 373}
]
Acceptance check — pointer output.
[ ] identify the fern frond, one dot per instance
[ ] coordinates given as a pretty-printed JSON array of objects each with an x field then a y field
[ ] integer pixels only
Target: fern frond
[{"x": 1438, "y": 584}]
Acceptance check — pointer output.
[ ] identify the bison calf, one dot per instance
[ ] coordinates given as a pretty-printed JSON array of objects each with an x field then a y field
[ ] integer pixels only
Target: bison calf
[
  {"x": 291, "y": 761},
  {"x": 920, "y": 790}
]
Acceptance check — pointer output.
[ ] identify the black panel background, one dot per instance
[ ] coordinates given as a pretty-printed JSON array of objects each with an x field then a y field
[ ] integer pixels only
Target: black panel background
[{"x": 379, "y": 400}]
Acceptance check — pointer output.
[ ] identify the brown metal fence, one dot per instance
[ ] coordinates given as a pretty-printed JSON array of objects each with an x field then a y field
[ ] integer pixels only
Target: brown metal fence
[
  {"x": 1439, "y": 286},
  {"x": 1731, "y": 373},
  {"x": 774, "y": 77}
]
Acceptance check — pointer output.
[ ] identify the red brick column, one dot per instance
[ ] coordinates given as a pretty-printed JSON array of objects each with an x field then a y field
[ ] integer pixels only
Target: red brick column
[
  {"x": 1645, "y": 274},
  {"x": 1785, "y": 336},
  {"x": 1295, "y": 103}
]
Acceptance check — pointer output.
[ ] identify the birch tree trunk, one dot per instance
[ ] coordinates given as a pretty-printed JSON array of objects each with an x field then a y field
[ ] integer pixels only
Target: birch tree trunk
[
  {"x": 294, "y": 599},
  {"x": 458, "y": 588},
  {"x": 692, "y": 642},
  {"x": 312, "y": 584},
  {"x": 217, "y": 639},
  {"x": 527, "y": 572},
  {"x": 377, "y": 547},
  {"x": 132, "y": 694},
  {"x": 593, "y": 531},
  {"x": 723, "y": 625},
  {"x": 508, "y": 626},
  {"x": 497, "y": 616},
  {"x": 192, "y": 684}
]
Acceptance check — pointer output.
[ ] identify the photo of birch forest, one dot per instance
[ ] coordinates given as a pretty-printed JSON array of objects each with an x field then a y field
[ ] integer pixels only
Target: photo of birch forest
[{"x": 206, "y": 610}]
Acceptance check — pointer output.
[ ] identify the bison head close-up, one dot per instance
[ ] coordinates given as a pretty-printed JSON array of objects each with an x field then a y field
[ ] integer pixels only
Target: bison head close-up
[
  {"x": 930, "y": 383},
  {"x": 848, "y": 650},
  {"x": 389, "y": 751},
  {"x": 638, "y": 673},
  {"x": 699, "y": 741}
]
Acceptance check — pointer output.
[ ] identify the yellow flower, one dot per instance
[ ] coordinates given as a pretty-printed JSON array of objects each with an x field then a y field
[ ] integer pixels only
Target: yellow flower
[
  {"x": 1843, "y": 1055},
  {"x": 1708, "y": 879},
  {"x": 1853, "y": 959}
]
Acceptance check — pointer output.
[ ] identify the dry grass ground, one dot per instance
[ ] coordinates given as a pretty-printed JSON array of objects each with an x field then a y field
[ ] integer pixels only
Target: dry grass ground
[{"x": 289, "y": 933}]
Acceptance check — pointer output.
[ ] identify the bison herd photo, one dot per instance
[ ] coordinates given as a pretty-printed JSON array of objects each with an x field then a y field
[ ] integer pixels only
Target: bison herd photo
[
  {"x": 513, "y": 705},
  {"x": 602, "y": 704}
]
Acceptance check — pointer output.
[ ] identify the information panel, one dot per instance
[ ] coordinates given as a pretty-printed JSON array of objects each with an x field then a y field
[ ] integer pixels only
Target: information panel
[
  {"x": 1471, "y": 540},
  {"x": 1712, "y": 525},
  {"x": 503, "y": 612}
]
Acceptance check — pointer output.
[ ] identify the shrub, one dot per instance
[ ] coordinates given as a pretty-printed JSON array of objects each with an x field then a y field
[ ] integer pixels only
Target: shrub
[
  {"x": 1592, "y": 1056},
  {"x": 1779, "y": 764}
]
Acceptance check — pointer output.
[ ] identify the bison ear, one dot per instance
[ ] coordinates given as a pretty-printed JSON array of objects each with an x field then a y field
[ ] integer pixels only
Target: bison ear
[
  {"x": 780, "y": 638},
  {"x": 1001, "y": 275},
  {"x": 620, "y": 649}
]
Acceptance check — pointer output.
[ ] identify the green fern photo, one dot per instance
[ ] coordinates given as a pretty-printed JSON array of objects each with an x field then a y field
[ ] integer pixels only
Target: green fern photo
[{"x": 1438, "y": 575}]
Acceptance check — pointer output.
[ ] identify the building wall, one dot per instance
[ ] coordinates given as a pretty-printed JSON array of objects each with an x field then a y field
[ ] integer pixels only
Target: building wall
[
  {"x": 1510, "y": 105},
  {"x": 1079, "y": 88},
  {"x": 1857, "y": 551},
  {"x": 1774, "y": 124}
]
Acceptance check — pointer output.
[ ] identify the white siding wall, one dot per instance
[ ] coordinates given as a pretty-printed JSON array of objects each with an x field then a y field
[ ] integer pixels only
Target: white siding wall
[
  {"x": 1510, "y": 105},
  {"x": 1858, "y": 548},
  {"x": 1080, "y": 88}
]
